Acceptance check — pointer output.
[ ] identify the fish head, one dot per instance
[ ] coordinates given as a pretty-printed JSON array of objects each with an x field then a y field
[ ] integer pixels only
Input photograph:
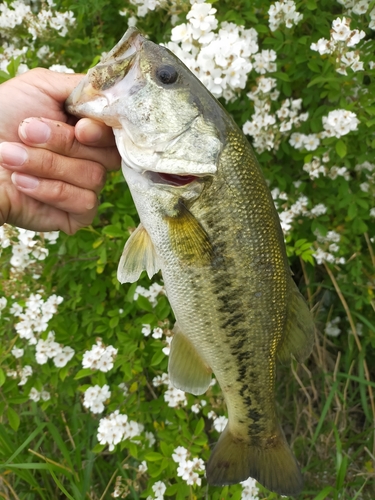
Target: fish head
[{"x": 164, "y": 120}]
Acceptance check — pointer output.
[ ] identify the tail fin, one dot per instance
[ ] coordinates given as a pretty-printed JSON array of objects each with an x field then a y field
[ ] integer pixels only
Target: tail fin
[{"x": 274, "y": 466}]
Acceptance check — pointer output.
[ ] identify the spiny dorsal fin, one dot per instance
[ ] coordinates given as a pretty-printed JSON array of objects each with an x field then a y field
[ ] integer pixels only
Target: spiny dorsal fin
[
  {"x": 138, "y": 255},
  {"x": 299, "y": 329},
  {"x": 189, "y": 240},
  {"x": 187, "y": 370}
]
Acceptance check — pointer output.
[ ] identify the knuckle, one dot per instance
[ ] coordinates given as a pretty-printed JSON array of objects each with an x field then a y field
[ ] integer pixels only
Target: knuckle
[{"x": 98, "y": 176}]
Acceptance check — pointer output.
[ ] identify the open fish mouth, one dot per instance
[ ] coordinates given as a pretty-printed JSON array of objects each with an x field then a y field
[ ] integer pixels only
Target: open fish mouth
[{"x": 174, "y": 180}]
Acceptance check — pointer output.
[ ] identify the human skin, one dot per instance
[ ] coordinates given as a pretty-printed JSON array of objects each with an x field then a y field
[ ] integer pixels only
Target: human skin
[{"x": 53, "y": 168}]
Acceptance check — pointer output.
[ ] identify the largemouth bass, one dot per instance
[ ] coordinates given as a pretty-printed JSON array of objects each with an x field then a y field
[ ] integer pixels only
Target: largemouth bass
[{"x": 209, "y": 224}]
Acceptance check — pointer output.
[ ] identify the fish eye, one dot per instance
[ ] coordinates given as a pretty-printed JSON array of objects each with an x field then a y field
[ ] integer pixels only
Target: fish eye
[{"x": 167, "y": 74}]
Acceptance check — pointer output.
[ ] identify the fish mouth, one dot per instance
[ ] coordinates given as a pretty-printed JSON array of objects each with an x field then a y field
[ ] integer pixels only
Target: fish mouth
[{"x": 174, "y": 180}]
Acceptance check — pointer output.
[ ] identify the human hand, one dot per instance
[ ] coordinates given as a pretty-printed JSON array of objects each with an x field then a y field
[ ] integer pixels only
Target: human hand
[{"x": 50, "y": 171}]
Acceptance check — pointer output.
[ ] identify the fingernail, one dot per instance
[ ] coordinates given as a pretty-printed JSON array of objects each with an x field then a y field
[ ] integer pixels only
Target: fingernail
[
  {"x": 92, "y": 130},
  {"x": 24, "y": 181},
  {"x": 35, "y": 130},
  {"x": 12, "y": 154}
]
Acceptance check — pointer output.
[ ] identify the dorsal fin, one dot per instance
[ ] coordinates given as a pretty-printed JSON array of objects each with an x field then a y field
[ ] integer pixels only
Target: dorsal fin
[{"x": 299, "y": 329}]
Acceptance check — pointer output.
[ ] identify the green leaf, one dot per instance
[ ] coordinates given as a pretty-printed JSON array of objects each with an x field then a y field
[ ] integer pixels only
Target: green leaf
[
  {"x": 2, "y": 377},
  {"x": 157, "y": 358},
  {"x": 341, "y": 148},
  {"x": 114, "y": 231},
  {"x": 153, "y": 456},
  {"x": 13, "y": 418},
  {"x": 199, "y": 427},
  {"x": 311, "y": 4},
  {"x": 85, "y": 372}
]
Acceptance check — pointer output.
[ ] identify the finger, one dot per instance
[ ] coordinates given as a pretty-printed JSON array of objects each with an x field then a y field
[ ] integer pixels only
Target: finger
[
  {"x": 60, "y": 195},
  {"x": 94, "y": 133},
  {"x": 60, "y": 138},
  {"x": 45, "y": 164}
]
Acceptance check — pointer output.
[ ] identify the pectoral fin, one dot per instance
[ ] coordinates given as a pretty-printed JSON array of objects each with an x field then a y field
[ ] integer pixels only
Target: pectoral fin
[
  {"x": 138, "y": 255},
  {"x": 189, "y": 240},
  {"x": 300, "y": 330},
  {"x": 187, "y": 370}
]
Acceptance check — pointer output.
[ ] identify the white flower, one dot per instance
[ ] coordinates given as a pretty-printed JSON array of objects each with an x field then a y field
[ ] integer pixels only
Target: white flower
[
  {"x": 100, "y": 357},
  {"x": 174, "y": 397},
  {"x": 25, "y": 373},
  {"x": 3, "y": 303},
  {"x": 220, "y": 423},
  {"x": 34, "y": 394},
  {"x": 17, "y": 352},
  {"x": 340, "y": 29},
  {"x": 159, "y": 489},
  {"x": 250, "y": 490},
  {"x": 63, "y": 357},
  {"x": 157, "y": 333},
  {"x": 319, "y": 209},
  {"x": 61, "y": 68},
  {"x": 180, "y": 454},
  {"x": 142, "y": 467},
  {"x": 340, "y": 122},
  {"x": 116, "y": 428},
  {"x": 95, "y": 396},
  {"x": 332, "y": 329},
  {"x": 45, "y": 395}
]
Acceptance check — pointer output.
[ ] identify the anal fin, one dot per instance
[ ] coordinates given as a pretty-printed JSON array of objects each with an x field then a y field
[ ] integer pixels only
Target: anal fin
[
  {"x": 138, "y": 255},
  {"x": 299, "y": 329},
  {"x": 187, "y": 370}
]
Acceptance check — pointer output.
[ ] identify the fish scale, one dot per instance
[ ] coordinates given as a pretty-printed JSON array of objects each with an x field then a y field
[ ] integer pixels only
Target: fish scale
[{"x": 209, "y": 224}]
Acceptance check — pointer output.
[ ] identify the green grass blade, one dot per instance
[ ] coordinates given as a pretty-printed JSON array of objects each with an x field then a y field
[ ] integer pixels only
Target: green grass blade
[
  {"x": 324, "y": 493},
  {"x": 59, "y": 485},
  {"x": 25, "y": 443},
  {"x": 60, "y": 444},
  {"x": 325, "y": 411}
]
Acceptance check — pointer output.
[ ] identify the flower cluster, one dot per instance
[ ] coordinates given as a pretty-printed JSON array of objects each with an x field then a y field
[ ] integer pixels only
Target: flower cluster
[
  {"x": 157, "y": 333},
  {"x": 48, "y": 348},
  {"x": 23, "y": 373},
  {"x": 283, "y": 12},
  {"x": 221, "y": 60},
  {"x": 146, "y": 6},
  {"x": 27, "y": 246},
  {"x": 331, "y": 329},
  {"x": 359, "y": 7},
  {"x": 151, "y": 294},
  {"x": 116, "y": 428},
  {"x": 266, "y": 128},
  {"x": 174, "y": 397},
  {"x": 342, "y": 38},
  {"x": 18, "y": 15},
  {"x": 187, "y": 469},
  {"x": 34, "y": 317},
  {"x": 287, "y": 214},
  {"x": 100, "y": 357},
  {"x": 328, "y": 246},
  {"x": 318, "y": 166},
  {"x": 337, "y": 123},
  {"x": 250, "y": 489},
  {"x": 36, "y": 395},
  {"x": 95, "y": 396}
]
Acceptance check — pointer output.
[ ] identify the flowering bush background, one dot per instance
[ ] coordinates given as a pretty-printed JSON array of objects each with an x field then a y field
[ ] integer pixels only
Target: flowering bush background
[{"x": 86, "y": 407}]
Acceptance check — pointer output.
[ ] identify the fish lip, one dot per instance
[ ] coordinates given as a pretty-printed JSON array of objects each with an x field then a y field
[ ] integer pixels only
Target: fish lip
[{"x": 90, "y": 88}]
